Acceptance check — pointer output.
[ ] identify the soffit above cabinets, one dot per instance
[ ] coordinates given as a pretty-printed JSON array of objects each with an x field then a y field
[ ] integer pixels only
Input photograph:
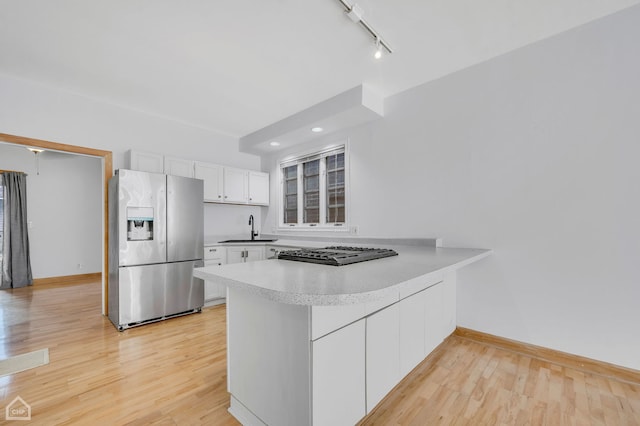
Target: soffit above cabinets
[{"x": 348, "y": 109}]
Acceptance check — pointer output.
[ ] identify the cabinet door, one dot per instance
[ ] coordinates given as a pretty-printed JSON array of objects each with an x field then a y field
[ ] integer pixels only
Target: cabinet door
[
  {"x": 212, "y": 176},
  {"x": 449, "y": 320},
  {"x": 433, "y": 318},
  {"x": 146, "y": 161},
  {"x": 259, "y": 188},
  {"x": 244, "y": 254},
  {"x": 412, "y": 333},
  {"x": 253, "y": 253},
  {"x": 178, "y": 167},
  {"x": 213, "y": 290},
  {"x": 235, "y": 254},
  {"x": 235, "y": 185},
  {"x": 338, "y": 385},
  {"x": 383, "y": 354}
]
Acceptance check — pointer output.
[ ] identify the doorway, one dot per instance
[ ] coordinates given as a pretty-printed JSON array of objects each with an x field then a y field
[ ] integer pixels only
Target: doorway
[{"x": 107, "y": 172}]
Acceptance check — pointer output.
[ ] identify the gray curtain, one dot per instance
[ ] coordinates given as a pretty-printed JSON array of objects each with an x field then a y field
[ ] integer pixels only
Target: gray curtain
[{"x": 16, "y": 263}]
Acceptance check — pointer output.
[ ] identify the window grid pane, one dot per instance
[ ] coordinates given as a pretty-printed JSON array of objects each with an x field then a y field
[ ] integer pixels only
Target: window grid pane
[
  {"x": 311, "y": 180},
  {"x": 335, "y": 189},
  {"x": 290, "y": 202}
]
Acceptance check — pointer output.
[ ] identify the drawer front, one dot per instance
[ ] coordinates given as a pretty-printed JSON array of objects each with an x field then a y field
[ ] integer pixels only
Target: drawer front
[{"x": 214, "y": 252}]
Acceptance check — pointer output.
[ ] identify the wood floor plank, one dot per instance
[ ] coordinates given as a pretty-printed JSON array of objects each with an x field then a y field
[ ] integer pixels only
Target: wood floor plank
[
  {"x": 174, "y": 373},
  {"x": 508, "y": 388}
]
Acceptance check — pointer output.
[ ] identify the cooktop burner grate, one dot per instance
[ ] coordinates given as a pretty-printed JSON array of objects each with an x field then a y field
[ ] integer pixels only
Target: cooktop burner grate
[{"x": 336, "y": 255}]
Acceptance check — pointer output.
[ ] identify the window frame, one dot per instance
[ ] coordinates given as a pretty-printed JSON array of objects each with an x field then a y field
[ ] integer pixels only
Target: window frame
[{"x": 299, "y": 159}]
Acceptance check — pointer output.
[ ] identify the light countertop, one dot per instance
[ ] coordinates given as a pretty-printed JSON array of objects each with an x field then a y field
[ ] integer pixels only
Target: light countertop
[{"x": 303, "y": 283}]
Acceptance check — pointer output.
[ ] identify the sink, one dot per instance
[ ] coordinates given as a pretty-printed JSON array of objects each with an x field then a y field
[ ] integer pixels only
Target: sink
[{"x": 247, "y": 241}]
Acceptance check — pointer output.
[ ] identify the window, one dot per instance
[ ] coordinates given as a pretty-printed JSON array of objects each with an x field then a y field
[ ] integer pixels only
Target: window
[{"x": 314, "y": 190}]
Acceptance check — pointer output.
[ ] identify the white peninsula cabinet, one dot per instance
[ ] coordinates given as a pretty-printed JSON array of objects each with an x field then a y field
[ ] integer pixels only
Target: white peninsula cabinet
[
  {"x": 330, "y": 365},
  {"x": 317, "y": 345}
]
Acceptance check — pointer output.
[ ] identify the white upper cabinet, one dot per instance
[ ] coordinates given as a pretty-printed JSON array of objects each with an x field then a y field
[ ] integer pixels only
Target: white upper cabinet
[
  {"x": 146, "y": 161},
  {"x": 235, "y": 185},
  {"x": 259, "y": 188},
  {"x": 212, "y": 175},
  {"x": 221, "y": 184},
  {"x": 178, "y": 167}
]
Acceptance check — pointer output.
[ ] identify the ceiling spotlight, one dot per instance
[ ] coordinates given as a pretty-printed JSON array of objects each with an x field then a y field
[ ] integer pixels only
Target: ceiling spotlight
[
  {"x": 316, "y": 129},
  {"x": 274, "y": 143},
  {"x": 378, "y": 53}
]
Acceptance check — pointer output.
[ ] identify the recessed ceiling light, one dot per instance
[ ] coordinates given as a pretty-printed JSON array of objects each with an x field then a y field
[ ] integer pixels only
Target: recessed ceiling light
[
  {"x": 274, "y": 143},
  {"x": 316, "y": 129}
]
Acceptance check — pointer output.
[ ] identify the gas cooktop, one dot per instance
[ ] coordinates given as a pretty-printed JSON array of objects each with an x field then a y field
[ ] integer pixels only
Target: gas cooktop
[{"x": 336, "y": 255}]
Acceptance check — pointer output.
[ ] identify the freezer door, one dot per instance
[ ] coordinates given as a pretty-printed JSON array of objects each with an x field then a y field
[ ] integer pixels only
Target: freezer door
[
  {"x": 185, "y": 214},
  {"x": 142, "y": 215},
  {"x": 152, "y": 292}
]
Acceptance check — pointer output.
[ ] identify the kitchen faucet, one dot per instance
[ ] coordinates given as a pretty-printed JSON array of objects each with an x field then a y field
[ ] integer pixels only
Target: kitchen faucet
[{"x": 253, "y": 233}]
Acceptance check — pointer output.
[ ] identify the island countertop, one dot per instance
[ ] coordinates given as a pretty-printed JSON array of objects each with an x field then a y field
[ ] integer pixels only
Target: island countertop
[{"x": 301, "y": 283}]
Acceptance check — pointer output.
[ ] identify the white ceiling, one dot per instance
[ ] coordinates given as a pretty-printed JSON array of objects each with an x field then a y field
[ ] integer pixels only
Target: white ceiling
[{"x": 238, "y": 66}]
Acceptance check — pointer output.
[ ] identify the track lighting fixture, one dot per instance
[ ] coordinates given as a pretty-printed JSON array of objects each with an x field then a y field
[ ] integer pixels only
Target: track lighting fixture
[{"x": 355, "y": 13}]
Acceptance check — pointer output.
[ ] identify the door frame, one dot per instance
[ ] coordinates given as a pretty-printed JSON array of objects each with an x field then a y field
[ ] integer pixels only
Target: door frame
[{"x": 107, "y": 169}]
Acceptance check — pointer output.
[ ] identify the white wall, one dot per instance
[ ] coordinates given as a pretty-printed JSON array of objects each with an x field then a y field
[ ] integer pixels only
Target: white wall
[
  {"x": 535, "y": 155},
  {"x": 35, "y": 111},
  {"x": 63, "y": 208}
]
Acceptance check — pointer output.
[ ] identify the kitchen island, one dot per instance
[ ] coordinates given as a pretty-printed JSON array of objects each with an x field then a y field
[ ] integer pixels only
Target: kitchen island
[{"x": 312, "y": 344}]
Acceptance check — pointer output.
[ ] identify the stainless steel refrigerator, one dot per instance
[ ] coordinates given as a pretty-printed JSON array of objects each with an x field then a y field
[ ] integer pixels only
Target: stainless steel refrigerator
[{"x": 156, "y": 238}]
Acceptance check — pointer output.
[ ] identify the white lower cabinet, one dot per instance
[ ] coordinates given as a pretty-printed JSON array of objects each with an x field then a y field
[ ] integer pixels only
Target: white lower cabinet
[
  {"x": 330, "y": 365},
  {"x": 382, "y": 353},
  {"x": 339, "y": 376},
  {"x": 238, "y": 254},
  {"x": 412, "y": 331},
  {"x": 434, "y": 314},
  {"x": 449, "y": 304},
  {"x": 214, "y": 293}
]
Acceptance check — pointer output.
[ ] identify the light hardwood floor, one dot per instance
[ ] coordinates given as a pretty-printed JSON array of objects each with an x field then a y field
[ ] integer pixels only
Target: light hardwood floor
[{"x": 174, "y": 373}]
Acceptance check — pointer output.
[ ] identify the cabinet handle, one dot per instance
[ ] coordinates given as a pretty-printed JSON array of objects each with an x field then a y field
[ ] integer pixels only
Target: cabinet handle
[
  {"x": 211, "y": 250},
  {"x": 219, "y": 196}
]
